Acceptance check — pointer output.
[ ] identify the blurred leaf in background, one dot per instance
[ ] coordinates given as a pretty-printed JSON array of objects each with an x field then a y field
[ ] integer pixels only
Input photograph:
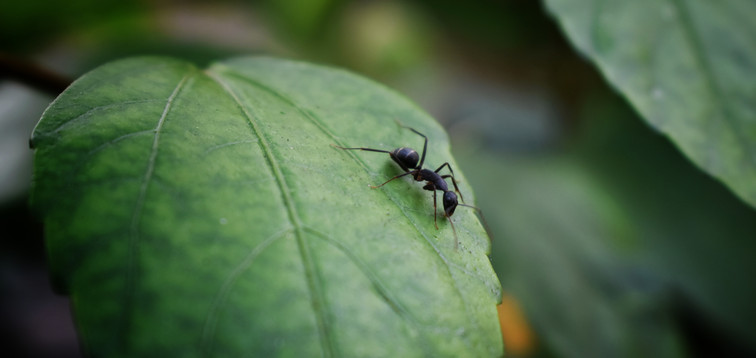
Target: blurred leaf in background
[
  {"x": 610, "y": 260},
  {"x": 25, "y": 25},
  {"x": 687, "y": 67}
]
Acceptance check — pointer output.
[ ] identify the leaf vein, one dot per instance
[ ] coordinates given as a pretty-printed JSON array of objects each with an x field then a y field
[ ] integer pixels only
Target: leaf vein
[
  {"x": 134, "y": 235},
  {"x": 224, "y": 145},
  {"x": 221, "y": 296},
  {"x": 710, "y": 79},
  {"x": 383, "y": 291},
  {"x": 94, "y": 110},
  {"x": 314, "y": 282},
  {"x": 595, "y": 37}
]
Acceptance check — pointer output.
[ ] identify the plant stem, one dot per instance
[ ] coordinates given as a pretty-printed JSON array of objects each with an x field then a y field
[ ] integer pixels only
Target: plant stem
[{"x": 32, "y": 74}]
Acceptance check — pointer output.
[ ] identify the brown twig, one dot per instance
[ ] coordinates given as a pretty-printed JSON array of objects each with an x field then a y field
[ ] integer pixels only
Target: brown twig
[{"x": 32, "y": 74}]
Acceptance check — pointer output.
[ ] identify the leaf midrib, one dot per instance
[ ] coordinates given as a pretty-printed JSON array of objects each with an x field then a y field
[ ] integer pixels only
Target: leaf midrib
[
  {"x": 711, "y": 80},
  {"x": 314, "y": 282}
]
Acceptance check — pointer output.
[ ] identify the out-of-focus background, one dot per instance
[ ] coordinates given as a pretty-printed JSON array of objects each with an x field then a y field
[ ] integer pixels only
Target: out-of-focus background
[{"x": 607, "y": 240}]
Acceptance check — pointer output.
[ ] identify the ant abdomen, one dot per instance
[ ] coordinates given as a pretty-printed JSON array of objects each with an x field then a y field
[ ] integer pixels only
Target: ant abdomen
[{"x": 407, "y": 158}]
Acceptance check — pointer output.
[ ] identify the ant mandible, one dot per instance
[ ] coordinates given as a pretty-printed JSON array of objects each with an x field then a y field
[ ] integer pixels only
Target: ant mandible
[{"x": 407, "y": 159}]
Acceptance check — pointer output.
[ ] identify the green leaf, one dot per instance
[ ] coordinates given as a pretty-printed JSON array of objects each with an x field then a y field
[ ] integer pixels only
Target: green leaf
[
  {"x": 195, "y": 212},
  {"x": 687, "y": 67}
]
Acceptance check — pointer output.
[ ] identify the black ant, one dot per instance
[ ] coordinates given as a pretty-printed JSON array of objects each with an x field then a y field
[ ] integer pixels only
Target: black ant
[{"x": 407, "y": 159}]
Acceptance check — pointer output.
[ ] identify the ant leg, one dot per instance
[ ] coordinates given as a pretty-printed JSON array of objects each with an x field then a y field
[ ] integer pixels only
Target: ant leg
[
  {"x": 387, "y": 181},
  {"x": 483, "y": 218},
  {"x": 365, "y": 149},
  {"x": 379, "y": 151},
  {"x": 434, "y": 210},
  {"x": 445, "y": 165},
  {"x": 432, "y": 189},
  {"x": 456, "y": 240},
  {"x": 455, "y": 186},
  {"x": 454, "y": 181},
  {"x": 425, "y": 143}
]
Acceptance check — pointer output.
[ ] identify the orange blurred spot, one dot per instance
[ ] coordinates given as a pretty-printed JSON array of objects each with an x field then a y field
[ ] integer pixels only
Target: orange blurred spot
[{"x": 518, "y": 337}]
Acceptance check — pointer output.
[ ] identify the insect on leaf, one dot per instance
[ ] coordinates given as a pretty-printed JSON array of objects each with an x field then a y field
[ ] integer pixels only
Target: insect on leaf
[{"x": 204, "y": 212}]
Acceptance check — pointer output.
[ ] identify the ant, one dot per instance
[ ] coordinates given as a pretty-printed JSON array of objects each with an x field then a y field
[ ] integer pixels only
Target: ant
[{"x": 412, "y": 164}]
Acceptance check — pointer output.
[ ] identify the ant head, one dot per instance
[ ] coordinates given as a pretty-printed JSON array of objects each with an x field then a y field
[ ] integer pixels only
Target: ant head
[
  {"x": 407, "y": 158},
  {"x": 450, "y": 202}
]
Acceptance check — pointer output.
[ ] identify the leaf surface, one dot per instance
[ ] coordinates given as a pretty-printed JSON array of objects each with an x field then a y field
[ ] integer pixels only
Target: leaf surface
[
  {"x": 687, "y": 66},
  {"x": 193, "y": 212}
]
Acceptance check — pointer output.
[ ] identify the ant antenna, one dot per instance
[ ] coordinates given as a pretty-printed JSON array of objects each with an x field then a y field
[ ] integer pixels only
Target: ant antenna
[
  {"x": 425, "y": 143},
  {"x": 454, "y": 230},
  {"x": 482, "y": 219}
]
